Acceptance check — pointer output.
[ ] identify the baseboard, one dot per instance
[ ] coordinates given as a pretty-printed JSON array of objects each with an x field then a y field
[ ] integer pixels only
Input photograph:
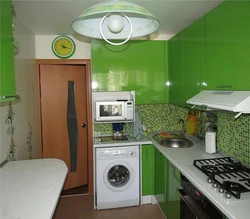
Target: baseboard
[
  {"x": 147, "y": 199},
  {"x": 154, "y": 200},
  {"x": 160, "y": 197}
]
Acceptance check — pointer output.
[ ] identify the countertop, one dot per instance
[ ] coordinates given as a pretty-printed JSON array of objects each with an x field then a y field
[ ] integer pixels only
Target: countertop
[
  {"x": 30, "y": 189},
  {"x": 131, "y": 141}
]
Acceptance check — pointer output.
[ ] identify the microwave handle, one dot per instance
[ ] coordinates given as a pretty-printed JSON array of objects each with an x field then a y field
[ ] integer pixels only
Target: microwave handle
[{"x": 123, "y": 100}]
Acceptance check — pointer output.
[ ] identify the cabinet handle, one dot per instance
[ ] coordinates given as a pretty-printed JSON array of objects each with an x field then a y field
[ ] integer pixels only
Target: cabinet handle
[
  {"x": 224, "y": 86},
  {"x": 9, "y": 96}
]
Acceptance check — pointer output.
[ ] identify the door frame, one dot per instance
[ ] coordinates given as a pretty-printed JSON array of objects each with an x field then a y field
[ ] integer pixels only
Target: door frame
[{"x": 87, "y": 63}]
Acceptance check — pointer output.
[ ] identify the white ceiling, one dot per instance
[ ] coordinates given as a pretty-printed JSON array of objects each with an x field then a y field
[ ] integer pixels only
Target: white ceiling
[{"x": 54, "y": 17}]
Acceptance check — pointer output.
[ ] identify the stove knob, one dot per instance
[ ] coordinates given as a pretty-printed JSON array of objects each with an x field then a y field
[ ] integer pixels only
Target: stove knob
[
  {"x": 215, "y": 185},
  {"x": 209, "y": 180},
  {"x": 228, "y": 195},
  {"x": 221, "y": 190}
]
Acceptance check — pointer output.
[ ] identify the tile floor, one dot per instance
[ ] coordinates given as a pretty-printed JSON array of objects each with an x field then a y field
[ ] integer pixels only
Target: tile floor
[{"x": 81, "y": 207}]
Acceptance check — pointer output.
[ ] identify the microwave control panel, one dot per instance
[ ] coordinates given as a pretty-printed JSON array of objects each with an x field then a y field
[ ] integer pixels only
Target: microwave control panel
[{"x": 129, "y": 106}]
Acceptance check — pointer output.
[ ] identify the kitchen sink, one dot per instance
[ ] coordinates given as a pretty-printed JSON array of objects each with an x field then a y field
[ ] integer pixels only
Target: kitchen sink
[{"x": 173, "y": 141}]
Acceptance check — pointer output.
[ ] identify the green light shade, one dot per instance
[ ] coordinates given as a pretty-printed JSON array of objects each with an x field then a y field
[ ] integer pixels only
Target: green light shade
[{"x": 92, "y": 19}]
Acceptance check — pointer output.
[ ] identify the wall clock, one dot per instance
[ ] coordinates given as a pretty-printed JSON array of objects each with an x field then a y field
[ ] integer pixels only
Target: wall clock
[{"x": 63, "y": 47}]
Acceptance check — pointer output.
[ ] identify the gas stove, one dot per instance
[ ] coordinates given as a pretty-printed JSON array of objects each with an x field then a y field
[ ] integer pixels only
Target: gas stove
[{"x": 228, "y": 178}]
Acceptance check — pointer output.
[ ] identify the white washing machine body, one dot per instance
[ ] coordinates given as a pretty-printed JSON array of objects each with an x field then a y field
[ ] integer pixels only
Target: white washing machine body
[{"x": 117, "y": 177}]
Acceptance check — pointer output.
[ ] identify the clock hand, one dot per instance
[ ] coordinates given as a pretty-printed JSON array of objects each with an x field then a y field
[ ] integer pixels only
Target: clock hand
[{"x": 65, "y": 47}]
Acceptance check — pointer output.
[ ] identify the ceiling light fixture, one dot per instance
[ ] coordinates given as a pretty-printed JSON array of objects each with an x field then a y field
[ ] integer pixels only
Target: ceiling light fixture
[{"x": 115, "y": 20}]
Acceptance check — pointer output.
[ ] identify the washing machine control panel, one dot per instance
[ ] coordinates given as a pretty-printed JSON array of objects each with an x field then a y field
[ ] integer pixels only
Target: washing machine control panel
[
  {"x": 113, "y": 154},
  {"x": 124, "y": 153}
]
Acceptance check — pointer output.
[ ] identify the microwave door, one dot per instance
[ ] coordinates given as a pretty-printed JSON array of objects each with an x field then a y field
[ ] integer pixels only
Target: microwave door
[{"x": 110, "y": 111}]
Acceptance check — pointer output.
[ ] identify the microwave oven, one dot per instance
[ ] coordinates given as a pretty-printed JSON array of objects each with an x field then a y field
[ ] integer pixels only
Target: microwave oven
[{"x": 114, "y": 111}]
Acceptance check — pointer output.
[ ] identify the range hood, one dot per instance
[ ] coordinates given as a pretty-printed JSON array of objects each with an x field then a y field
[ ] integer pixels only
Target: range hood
[{"x": 234, "y": 101}]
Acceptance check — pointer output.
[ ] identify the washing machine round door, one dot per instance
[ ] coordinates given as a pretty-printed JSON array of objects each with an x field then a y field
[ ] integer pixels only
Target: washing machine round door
[{"x": 118, "y": 176}]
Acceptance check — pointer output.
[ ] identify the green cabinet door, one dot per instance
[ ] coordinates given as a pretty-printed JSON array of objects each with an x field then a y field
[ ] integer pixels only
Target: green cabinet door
[
  {"x": 112, "y": 66},
  {"x": 176, "y": 73},
  {"x": 172, "y": 204},
  {"x": 7, "y": 75},
  {"x": 159, "y": 176},
  {"x": 194, "y": 59},
  {"x": 226, "y": 39},
  {"x": 242, "y": 17},
  {"x": 166, "y": 75},
  {"x": 137, "y": 65},
  {"x": 149, "y": 71},
  {"x": 147, "y": 162}
]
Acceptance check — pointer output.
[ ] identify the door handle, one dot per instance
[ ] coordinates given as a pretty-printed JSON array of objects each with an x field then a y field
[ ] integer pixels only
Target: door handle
[{"x": 83, "y": 125}]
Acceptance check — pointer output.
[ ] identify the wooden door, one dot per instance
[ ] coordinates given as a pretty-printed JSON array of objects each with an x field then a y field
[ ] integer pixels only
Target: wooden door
[{"x": 64, "y": 119}]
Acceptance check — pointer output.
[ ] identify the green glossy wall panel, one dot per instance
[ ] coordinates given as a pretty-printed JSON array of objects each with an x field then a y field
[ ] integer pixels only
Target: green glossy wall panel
[
  {"x": 147, "y": 169},
  {"x": 7, "y": 79}
]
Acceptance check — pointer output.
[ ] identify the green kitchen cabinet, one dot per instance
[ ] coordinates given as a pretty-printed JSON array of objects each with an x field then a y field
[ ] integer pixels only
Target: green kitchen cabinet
[
  {"x": 172, "y": 204},
  {"x": 7, "y": 74},
  {"x": 176, "y": 73},
  {"x": 187, "y": 63},
  {"x": 166, "y": 69},
  {"x": 149, "y": 71},
  {"x": 193, "y": 55},
  {"x": 166, "y": 181},
  {"x": 112, "y": 66},
  {"x": 147, "y": 164},
  {"x": 137, "y": 65},
  {"x": 159, "y": 176},
  {"x": 228, "y": 46}
]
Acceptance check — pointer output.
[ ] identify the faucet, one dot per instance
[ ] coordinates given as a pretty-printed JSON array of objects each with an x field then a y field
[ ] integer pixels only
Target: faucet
[{"x": 183, "y": 127}]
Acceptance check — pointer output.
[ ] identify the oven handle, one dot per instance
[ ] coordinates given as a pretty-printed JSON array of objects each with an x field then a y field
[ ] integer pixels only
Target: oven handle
[{"x": 195, "y": 208}]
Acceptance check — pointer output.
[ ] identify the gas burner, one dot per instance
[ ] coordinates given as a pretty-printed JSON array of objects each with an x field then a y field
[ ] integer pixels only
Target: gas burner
[
  {"x": 232, "y": 167},
  {"x": 234, "y": 186},
  {"x": 209, "y": 169}
]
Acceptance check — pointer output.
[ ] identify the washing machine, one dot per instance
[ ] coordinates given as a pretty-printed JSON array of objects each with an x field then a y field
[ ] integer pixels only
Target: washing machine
[{"x": 117, "y": 177}]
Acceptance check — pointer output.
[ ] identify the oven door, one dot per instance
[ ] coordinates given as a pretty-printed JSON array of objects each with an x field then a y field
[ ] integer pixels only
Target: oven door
[{"x": 189, "y": 209}]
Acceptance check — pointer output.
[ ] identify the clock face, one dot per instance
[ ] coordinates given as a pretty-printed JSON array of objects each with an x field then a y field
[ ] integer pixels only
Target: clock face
[{"x": 63, "y": 47}]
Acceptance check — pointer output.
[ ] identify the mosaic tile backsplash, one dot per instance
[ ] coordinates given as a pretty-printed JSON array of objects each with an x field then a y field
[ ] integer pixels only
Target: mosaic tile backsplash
[
  {"x": 158, "y": 117},
  {"x": 233, "y": 135}
]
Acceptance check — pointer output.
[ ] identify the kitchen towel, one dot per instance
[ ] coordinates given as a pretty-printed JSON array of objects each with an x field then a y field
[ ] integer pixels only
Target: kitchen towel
[{"x": 136, "y": 127}]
